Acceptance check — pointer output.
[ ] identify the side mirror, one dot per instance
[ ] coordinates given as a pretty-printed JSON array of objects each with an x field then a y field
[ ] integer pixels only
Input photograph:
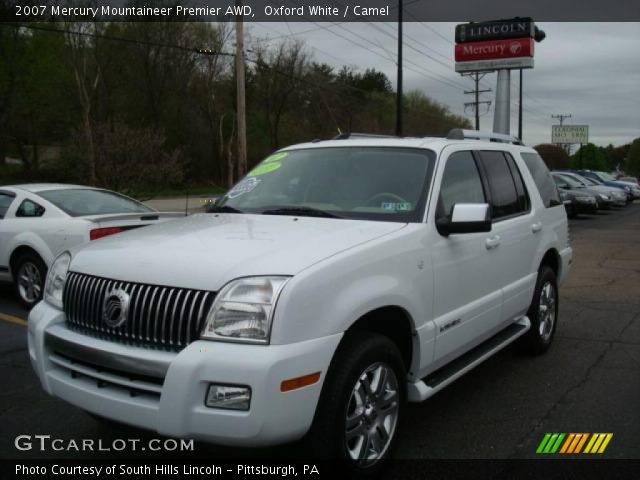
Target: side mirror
[{"x": 466, "y": 218}]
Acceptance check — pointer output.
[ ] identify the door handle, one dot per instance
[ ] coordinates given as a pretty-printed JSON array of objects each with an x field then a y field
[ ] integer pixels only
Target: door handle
[
  {"x": 536, "y": 227},
  {"x": 492, "y": 242}
]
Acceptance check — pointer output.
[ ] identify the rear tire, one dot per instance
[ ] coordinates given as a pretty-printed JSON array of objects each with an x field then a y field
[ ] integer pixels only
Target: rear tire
[
  {"x": 362, "y": 403},
  {"x": 543, "y": 312},
  {"x": 29, "y": 274}
]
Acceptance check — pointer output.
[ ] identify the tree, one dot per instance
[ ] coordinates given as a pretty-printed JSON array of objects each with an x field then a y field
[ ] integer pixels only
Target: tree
[
  {"x": 279, "y": 75},
  {"x": 554, "y": 156},
  {"x": 633, "y": 158},
  {"x": 590, "y": 157}
]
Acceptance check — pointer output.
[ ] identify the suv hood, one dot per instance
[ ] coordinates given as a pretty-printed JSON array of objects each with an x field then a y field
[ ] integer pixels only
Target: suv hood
[{"x": 206, "y": 251}]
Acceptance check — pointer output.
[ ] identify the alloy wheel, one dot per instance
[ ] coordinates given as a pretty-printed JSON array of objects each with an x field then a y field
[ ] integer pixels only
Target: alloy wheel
[{"x": 372, "y": 414}]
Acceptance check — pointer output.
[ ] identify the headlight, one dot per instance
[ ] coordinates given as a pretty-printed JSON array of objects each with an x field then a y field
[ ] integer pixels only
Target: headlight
[
  {"x": 56, "y": 279},
  {"x": 603, "y": 197},
  {"x": 243, "y": 310}
]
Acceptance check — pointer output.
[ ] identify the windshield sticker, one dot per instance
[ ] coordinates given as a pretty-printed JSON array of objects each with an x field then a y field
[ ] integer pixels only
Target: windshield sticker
[
  {"x": 396, "y": 206},
  {"x": 275, "y": 157},
  {"x": 245, "y": 186},
  {"x": 265, "y": 167}
]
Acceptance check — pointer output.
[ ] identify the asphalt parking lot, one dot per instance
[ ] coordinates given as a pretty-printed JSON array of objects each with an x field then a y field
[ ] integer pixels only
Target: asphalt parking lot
[{"x": 589, "y": 381}]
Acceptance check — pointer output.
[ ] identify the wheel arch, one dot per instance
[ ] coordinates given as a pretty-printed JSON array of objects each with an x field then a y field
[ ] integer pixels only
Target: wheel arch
[
  {"x": 551, "y": 258},
  {"x": 393, "y": 322},
  {"x": 18, "y": 252}
]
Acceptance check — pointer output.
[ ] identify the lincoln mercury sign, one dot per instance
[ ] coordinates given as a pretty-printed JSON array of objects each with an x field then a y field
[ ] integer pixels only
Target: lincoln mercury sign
[
  {"x": 497, "y": 45},
  {"x": 570, "y": 134},
  {"x": 494, "y": 49},
  {"x": 498, "y": 30}
]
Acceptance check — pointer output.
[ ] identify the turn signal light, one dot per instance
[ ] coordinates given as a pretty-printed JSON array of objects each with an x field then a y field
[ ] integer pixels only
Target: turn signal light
[
  {"x": 97, "y": 233},
  {"x": 299, "y": 382}
]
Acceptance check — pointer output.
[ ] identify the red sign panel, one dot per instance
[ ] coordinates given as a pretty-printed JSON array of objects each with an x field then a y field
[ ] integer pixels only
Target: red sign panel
[{"x": 494, "y": 49}]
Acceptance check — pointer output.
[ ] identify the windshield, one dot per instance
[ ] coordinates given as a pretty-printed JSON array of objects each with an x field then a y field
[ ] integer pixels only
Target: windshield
[
  {"x": 606, "y": 177},
  {"x": 369, "y": 183},
  {"x": 570, "y": 181},
  {"x": 79, "y": 202},
  {"x": 582, "y": 181},
  {"x": 589, "y": 181}
]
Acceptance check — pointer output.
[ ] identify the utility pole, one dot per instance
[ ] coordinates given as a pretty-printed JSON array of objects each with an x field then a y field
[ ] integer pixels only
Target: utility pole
[
  {"x": 561, "y": 117},
  {"x": 240, "y": 96},
  {"x": 520, "y": 108},
  {"x": 476, "y": 104},
  {"x": 399, "y": 82}
]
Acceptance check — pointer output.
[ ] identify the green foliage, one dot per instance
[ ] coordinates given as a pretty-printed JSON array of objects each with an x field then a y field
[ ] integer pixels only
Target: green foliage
[
  {"x": 554, "y": 156},
  {"x": 590, "y": 157},
  {"x": 633, "y": 159}
]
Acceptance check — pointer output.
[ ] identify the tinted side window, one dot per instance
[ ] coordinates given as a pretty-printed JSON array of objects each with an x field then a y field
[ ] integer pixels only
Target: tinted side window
[
  {"x": 5, "y": 201},
  {"x": 524, "y": 203},
  {"x": 29, "y": 209},
  {"x": 504, "y": 196},
  {"x": 461, "y": 183},
  {"x": 542, "y": 179}
]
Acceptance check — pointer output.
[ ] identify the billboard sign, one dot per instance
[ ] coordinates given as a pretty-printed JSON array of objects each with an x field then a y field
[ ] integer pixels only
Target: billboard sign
[
  {"x": 494, "y": 49},
  {"x": 496, "y": 30},
  {"x": 497, "y": 64},
  {"x": 570, "y": 134}
]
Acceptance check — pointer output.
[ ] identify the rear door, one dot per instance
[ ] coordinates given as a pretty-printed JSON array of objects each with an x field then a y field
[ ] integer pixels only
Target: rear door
[{"x": 517, "y": 231}]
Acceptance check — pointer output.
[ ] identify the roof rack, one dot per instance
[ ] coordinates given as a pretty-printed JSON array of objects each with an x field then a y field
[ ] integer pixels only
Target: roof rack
[
  {"x": 345, "y": 136},
  {"x": 462, "y": 134}
]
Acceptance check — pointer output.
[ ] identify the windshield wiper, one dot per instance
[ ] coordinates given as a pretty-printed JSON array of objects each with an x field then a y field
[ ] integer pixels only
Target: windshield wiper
[
  {"x": 222, "y": 209},
  {"x": 300, "y": 211}
]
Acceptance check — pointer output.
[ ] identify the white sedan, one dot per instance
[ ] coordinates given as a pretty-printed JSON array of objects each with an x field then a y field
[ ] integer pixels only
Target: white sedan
[{"x": 39, "y": 221}]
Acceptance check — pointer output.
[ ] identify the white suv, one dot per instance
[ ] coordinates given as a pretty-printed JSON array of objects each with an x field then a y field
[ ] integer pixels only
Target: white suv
[{"x": 335, "y": 282}]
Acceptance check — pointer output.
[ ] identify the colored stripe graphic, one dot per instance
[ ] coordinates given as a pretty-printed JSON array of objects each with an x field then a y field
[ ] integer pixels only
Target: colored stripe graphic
[
  {"x": 543, "y": 443},
  {"x": 573, "y": 443}
]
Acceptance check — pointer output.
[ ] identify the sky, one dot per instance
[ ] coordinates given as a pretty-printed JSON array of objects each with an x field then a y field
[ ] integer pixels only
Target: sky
[{"x": 588, "y": 70}]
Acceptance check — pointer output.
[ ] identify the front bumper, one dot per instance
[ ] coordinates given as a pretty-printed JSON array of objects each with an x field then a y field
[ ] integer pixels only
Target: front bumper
[
  {"x": 584, "y": 207},
  {"x": 165, "y": 391}
]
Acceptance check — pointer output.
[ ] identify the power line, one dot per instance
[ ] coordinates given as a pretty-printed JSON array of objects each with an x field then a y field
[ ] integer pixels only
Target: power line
[
  {"x": 476, "y": 92},
  {"x": 114, "y": 38}
]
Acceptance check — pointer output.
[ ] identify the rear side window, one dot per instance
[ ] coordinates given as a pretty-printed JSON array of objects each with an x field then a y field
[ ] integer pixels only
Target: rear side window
[
  {"x": 461, "y": 183},
  {"x": 542, "y": 179},
  {"x": 29, "y": 209},
  {"x": 505, "y": 200},
  {"x": 79, "y": 202},
  {"x": 5, "y": 202}
]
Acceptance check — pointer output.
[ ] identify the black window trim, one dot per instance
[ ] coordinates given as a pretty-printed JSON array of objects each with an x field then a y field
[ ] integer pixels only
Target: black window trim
[{"x": 485, "y": 179}]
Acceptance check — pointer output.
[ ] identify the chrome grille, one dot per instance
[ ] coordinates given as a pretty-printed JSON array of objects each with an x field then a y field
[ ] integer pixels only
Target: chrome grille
[{"x": 158, "y": 316}]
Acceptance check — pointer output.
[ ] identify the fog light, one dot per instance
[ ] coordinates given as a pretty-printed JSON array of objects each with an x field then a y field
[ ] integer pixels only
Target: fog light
[{"x": 228, "y": 397}]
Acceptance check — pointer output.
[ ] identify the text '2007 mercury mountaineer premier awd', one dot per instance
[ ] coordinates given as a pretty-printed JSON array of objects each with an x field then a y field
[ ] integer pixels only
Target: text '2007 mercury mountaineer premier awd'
[{"x": 335, "y": 282}]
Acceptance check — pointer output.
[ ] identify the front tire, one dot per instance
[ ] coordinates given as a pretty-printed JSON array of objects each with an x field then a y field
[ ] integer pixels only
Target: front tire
[
  {"x": 29, "y": 277},
  {"x": 362, "y": 403},
  {"x": 543, "y": 312}
]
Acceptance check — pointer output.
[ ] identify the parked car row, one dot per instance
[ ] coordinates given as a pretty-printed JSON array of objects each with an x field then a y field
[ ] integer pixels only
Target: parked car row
[{"x": 586, "y": 191}]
